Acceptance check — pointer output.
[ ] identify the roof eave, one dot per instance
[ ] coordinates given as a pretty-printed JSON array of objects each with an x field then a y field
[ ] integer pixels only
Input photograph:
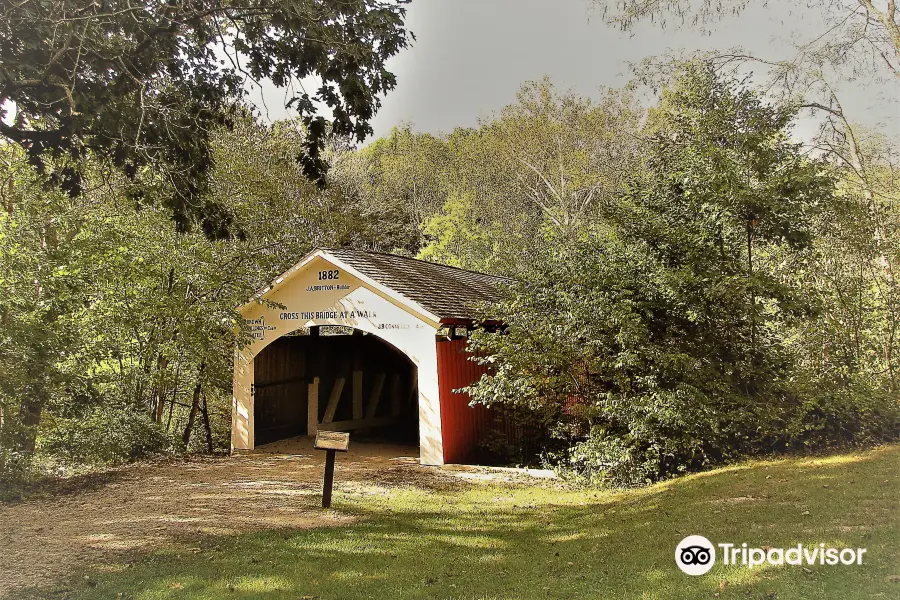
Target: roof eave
[
  {"x": 408, "y": 302},
  {"x": 285, "y": 277}
]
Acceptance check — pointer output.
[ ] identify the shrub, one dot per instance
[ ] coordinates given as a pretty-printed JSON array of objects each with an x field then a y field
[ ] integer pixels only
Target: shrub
[
  {"x": 16, "y": 473},
  {"x": 106, "y": 435}
]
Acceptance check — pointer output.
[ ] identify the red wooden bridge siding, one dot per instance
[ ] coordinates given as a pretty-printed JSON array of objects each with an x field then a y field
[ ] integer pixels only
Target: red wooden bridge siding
[{"x": 462, "y": 426}]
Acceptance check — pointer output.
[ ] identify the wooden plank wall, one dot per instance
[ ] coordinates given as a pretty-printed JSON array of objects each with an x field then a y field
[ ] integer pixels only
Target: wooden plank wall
[
  {"x": 351, "y": 377},
  {"x": 280, "y": 390},
  {"x": 465, "y": 428}
]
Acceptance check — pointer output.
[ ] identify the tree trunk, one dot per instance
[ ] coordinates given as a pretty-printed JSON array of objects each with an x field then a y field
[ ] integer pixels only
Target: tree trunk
[
  {"x": 158, "y": 401},
  {"x": 889, "y": 358},
  {"x": 174, "y": 394},
  {"x": 752, "y": 290},
  {"x": 29, "y": 418},
  {"x": 209, "y": 441},
  {"x": 195, "y": 405}
]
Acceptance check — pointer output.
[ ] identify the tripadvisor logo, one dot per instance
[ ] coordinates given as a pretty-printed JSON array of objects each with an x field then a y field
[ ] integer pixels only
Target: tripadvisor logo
[{"x": 696, "y": 555}]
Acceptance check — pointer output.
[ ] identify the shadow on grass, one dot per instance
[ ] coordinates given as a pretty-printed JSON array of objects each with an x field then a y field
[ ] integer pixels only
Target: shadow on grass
[
  {"x": 47, "y": 486},
  {"x": 490, "y": 541}
]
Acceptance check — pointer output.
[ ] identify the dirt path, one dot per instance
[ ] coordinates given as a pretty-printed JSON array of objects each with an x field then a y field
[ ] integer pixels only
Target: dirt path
[{"x": 146, "y": 506}]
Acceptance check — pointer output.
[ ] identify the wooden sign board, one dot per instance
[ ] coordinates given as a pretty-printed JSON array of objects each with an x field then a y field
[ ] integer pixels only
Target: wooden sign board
[{"x": 332, "y": 440}]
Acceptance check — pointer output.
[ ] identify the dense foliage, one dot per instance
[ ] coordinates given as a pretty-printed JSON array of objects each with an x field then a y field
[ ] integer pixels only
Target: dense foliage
[
  {"x": 146, "y": 85},
  {"x": 692, "y": 320},
  {"x": 117, "y": 331},
  {"x": 694, "y": 285}
]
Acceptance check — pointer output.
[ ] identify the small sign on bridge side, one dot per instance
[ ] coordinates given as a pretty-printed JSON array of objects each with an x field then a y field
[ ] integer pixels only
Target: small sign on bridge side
[{"x": 332, "y": 440}]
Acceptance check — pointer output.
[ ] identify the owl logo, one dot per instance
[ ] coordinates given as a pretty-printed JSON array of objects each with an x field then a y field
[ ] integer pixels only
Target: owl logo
[{"x": 695, "y": 555}]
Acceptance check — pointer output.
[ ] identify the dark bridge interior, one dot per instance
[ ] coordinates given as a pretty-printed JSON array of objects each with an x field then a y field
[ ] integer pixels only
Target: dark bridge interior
[{"x": 352, "y": 382}]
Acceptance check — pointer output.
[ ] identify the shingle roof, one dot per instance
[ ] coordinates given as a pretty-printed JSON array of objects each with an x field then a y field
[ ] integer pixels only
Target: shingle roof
[{"x": 446, "y": 292}]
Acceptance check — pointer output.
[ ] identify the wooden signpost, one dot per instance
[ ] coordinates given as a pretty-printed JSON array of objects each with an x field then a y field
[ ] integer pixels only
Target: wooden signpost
[{"x": 331, "y": 442}]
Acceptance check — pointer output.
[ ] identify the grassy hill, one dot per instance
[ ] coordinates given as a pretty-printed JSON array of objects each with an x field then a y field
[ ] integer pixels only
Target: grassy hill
[{"x": 493, "y": 541}]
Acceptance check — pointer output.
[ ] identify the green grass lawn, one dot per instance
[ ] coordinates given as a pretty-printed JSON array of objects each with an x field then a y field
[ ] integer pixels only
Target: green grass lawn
[{"x": 540, "y": 541}]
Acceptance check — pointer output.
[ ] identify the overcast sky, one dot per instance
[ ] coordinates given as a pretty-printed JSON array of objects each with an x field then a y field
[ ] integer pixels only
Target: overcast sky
[{"x": 471, "y": 56}]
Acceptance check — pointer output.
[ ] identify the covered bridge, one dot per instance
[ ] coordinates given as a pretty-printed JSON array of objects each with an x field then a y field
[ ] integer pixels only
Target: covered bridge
[{"x": 363, "y": 342}]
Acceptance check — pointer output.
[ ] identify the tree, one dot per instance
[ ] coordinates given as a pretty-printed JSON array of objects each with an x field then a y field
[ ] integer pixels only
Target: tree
[
  {"x": 656, "y": 336},
  {"x": 37, "y": 244},
  {"x": 548, "y": 161},
  {"x": 861, "y": 34},
  {"x": 851, "y": 269},
  {"x": 859, "y": 41},
  {"x": 405, "y": 183},
  {"x": 145, "y": 85},
  {"x": 118, "y": 331},
  {"x": 458, "y": 237},
  {"x": 567, "y": 154}
]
